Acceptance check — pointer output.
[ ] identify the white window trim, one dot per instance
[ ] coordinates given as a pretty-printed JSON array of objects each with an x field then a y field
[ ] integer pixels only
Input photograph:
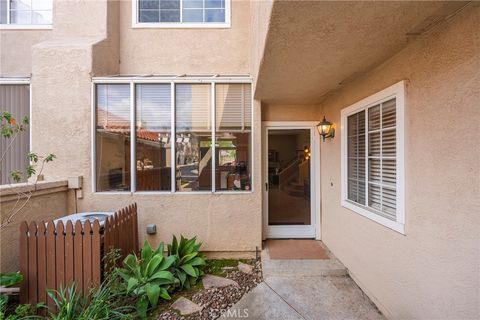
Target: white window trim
[
  {"x": 25, "y": 27},
  {"x": 181, "y": 25},
  {"x": 132, "y": 81},
  {"x": 395, "y": 91}
]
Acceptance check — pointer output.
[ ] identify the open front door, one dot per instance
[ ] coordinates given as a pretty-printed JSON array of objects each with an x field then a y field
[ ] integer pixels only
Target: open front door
[{"x": 290, "y": 200}]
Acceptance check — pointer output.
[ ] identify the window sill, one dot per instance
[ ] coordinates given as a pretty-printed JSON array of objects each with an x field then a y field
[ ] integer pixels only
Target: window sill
[
  {"x": 25, "y": 27},
  {"x": 394, "y": 225},
  {"x": 163, "y": 193},
  {"x": 165, "y": 25}
]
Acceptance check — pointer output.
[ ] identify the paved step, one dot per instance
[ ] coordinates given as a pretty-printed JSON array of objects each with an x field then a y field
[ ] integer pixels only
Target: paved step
[{"x": 302, "y": 267}]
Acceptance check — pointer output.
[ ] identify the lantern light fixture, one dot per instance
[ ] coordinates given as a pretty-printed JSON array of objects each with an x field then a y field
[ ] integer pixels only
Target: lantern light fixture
[{"x": 325, "y": 129}]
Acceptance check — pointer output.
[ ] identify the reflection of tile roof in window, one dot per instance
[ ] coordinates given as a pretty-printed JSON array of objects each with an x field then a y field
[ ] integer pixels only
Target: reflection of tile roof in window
[
  {"x": 147, "y": 135},
  {"x": 111, "y": 120},
  {"x": 141, "y": 134}
]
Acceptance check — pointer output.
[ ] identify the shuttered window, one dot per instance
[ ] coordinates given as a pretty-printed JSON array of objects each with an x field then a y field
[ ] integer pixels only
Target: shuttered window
[
  {"x": 371, "y": 157},
  {"x": 14, "y": 99},
  {"x": 381, "y": 180}
]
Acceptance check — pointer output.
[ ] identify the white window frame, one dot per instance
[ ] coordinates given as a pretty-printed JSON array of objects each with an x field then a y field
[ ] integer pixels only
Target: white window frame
[
  {"x": 13, "y": 26},
  {"x": 132, "y": 81},
  {"x": 181, "y": 25},
  {"x": 396, "y": 91}
]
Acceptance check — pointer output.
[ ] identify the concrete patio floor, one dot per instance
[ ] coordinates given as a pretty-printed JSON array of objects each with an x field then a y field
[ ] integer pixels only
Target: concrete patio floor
[{"x": 304, "y": 289}]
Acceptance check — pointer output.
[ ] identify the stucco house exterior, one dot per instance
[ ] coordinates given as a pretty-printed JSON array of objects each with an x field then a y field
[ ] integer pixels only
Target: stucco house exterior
[{"x": 205, "y": 114}]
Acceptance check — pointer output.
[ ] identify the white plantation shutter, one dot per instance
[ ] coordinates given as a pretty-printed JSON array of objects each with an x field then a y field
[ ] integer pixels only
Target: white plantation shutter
[
  {"x": 113, "y": 106},
  {"x": 356, "y": 157},
  {"x": 233, "y": 106},
  {"x": 192, "y": 107},
  {"x": 153, "y": 106},
  {"x": 381, "y": 193}
]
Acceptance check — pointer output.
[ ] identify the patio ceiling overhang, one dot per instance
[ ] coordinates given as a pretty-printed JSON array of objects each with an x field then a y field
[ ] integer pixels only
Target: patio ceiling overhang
[{"x": 315, "y": 47}]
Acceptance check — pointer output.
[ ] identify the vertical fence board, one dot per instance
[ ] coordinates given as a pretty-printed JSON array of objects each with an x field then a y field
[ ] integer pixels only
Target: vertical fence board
[
  {"x": 87, "y": 255},
  {"x": 135, "y": 229},
  {"x": 96, "y": 255},
  {"x": 78, "y": 255},
  {"x": 51, "y": 265},
  {"x": 60, "y": 257},
  {"x": 42, "y": 264},
  {"x": 24, "y": 262},
  {"x": 69, "y": 254},
  {"x": 32, "y": 264},
  {"x": 115, "y": 231}
]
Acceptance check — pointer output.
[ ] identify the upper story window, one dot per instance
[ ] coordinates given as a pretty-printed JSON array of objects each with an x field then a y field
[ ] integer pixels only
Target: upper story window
[
  {"x": 26, "y": 13},
  {"x": 181, "y": 13},
  {"x": 372, "y": 157}
]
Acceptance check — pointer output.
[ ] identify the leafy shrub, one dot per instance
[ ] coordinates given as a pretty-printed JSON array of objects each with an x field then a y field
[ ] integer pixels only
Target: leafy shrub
[
  {"x": 148, "y": 278},
  {"x": 10, "y": 279},
  {"x": 188, "y": 263},
  {"x": 102, "y": 303},
  {"x": 22, "y": 311}
]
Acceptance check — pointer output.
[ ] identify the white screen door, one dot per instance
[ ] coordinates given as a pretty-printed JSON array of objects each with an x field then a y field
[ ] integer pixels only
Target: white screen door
[{"x": 290, "y": 180}]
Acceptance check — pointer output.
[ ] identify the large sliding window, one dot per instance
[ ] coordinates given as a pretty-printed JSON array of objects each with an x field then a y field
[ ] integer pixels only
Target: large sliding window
[
  {"x": 372, "y": 157},
  {"x": 187, "y": 137}
]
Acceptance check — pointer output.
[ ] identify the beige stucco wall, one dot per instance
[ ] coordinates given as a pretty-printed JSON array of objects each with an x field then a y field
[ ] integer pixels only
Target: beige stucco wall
[
  {"x": 15, "y": 56},
  {"x": 186, "y": 50},
  {"x": 291, "y": 112},
  {"x": 431, "y": 272},
  {"x": 48, "y": 201}
]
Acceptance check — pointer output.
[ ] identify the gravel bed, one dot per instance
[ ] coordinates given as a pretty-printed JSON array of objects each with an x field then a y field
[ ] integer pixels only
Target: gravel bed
[{"x": 216, "y": 301}]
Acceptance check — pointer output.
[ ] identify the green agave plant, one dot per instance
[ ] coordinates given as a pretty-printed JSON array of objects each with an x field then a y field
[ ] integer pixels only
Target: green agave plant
[
  {"x": 188, "y": 263},
  {"x": 148, "y": 278}
]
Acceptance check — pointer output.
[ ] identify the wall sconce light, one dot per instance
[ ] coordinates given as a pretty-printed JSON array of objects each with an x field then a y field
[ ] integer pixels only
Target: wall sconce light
[{"x": 325, "y": 129}]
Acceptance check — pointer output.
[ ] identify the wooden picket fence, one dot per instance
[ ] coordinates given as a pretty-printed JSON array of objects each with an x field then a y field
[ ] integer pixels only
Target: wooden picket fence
[{"x": 55, "y": 256}]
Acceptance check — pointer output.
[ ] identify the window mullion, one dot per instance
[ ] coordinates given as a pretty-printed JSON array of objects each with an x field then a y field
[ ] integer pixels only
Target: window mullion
[
  {"x": 381, "y": 156},
  {"x": 367, "y": 163},
  {"x": 133, "y": 132},
  {"x": 8, "y": 12},
  {"x": 181, "y": 11},
  {"x": 213, "y": 121},
  {"x": 173, "y": 139}
]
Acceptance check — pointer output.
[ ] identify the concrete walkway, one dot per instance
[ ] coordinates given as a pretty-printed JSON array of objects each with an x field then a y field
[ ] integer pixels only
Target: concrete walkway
[{"x": 304, "y": 289}]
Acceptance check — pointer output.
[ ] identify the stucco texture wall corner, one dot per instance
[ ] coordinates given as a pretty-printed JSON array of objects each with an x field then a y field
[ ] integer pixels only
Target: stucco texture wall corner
[
  {"x": 61, "y": 105},
  {"x": 432, "y": 271}
]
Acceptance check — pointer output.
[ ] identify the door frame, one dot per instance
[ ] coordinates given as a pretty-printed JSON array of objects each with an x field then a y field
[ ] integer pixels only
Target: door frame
[{"x": 315, "y": 194}]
